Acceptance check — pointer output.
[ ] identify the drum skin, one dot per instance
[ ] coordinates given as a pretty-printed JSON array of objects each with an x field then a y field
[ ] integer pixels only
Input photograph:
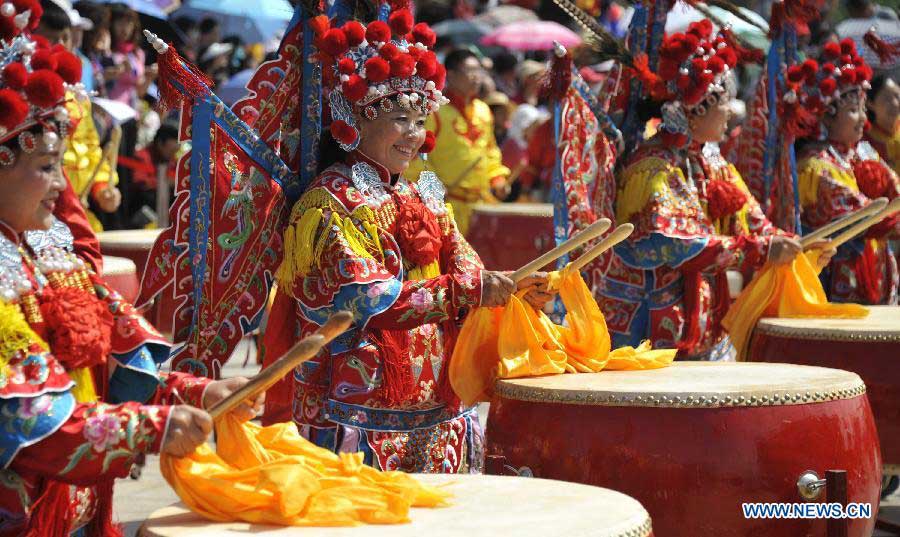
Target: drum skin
[
  {"x": 874, "y": 359},
  {"x": 121, "y": 274},
  {"x": 507, "y": 236},
  {"x": 692, "y": 468}
]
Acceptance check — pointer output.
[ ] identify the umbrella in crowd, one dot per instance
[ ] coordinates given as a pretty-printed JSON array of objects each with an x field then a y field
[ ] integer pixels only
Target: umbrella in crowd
[
  {"x": 152, "y": 8},
  {"x": 506, "y": 14},
  {"x": 531, "y": 35},
  {"x": 461, "y": 31},
  {"x": 255, "y": 21}
]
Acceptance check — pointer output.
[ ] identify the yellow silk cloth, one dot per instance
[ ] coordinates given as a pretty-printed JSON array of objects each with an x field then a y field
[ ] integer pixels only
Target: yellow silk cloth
[
  {"x": 517, "y": 341},
  {"x": 787, "y": 290},
  {"x": 272, "y": 475}
]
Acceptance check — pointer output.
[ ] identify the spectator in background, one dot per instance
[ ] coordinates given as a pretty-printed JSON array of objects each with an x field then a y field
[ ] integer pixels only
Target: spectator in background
[
  {"x": 208, "y": 33},
  {"x": 529, "y": 73},
  {"x": 505, "y": 78},
  {"x": 129, "y": 80},
  {"x": 525, "y": 120},
  {"x": 465, "y": 156},
  {"x": 501, "y": 109},
  {"x": 216, "y": 62},
  {"x": 83, "y": 162},
  {"x": 95, "y": 42},
  {"x": 866, "y": 14},
  {"x": 162, "y": 151},
  {"x": 883, "y": 110},
  {"x": 189, "y": 28}
]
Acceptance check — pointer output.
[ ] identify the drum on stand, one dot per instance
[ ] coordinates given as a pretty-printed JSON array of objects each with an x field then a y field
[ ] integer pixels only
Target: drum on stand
[
  {"x": 121, "y": 274},
  {"x": 135, "y": 244},
  {"x": 869, "y": 347},
  {"x": 481, "y": 506},
  {"x": 694, "y": 441},
  {"x": 508, "y": 235}
]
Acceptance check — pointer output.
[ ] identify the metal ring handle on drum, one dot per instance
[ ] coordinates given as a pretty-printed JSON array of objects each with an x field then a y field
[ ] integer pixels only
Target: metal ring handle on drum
[{"x": 810, "y": 485}]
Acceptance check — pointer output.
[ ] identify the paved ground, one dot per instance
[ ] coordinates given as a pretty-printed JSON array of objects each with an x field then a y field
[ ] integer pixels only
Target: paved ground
[{"x": 135, "y": 500}]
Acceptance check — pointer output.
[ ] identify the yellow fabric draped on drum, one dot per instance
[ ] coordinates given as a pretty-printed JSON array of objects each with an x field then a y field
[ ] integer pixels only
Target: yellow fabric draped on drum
[
  {"x": 272, "y": 475},
  {"x": 787, "y": 290},
  {"x": 517, "y": 341}
]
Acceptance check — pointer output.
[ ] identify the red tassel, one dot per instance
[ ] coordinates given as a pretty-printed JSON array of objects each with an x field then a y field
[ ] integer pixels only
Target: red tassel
[
  {"x": 558, "y": 78},
  {"x": 102, "y": 524},
  {"x": 651, "y": 81},
  {"x": 398, "y": 385},
  {"x": 885, "y": 51},
  {"x": 723, "y": 199},
  {"x": 746, "y": 55},
  {"x": 51, "y": 515},
  {"x": 277, "y": 339},
  {"x": 690, "y": 337},
  {"x": 869, "y": 275},
  {"x": 179, "y": 80},
  {"x": 444, "y": 390}
]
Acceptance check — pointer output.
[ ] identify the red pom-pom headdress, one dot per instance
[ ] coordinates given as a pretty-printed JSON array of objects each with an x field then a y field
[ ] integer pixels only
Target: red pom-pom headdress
[
  {"x": 363, "y": 66},
  {"x": 814, "y": 88},
  {"x": 34, "y": 77}
]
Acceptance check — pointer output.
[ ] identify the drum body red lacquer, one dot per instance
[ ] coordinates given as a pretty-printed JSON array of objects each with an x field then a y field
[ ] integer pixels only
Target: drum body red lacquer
[
  {"x": 693, "y": 454},
  {"x": 509, "y": 235},
  {"x": 135, "y": 245},
  {"x": 869, "y": 347}
]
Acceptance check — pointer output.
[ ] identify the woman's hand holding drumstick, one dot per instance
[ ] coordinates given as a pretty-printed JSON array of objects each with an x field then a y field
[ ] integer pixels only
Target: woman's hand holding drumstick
[{"x": 813, "y": 239}]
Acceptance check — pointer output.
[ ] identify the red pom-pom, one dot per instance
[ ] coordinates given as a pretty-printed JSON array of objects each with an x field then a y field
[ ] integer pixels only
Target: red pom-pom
[
  {"x": 389, "y": 51},
  {"x": 343, "y": 132},
  {"x": 334, "y": 42},
  {"x": 15, "y": 76},
  {"x": 355, "y": 33},
  {"x": 428, "y": 144},
  {"x": 320, "y": 24},
  {"x": 377, "y": 70},
  {"x": 426, "y": 66},
  {"x": 355, "y": 88},
  {"x": 828, "y": 68},
  {"x": 68, "y": 66},
  {"x": 795, "y": 74},
  {"x": 45, "y": 88},
  {"x": 346, "y": 66},
  {"x": 378, "y": 31},
  {"x": 401, "y": 22},
  {"x": 403, "y": 66},
  {"x": 831, "y": 50},
  {"x": 730, "y": 56},
  {"x": 810, "y": 67},
  {"x": 673, "y": 139},
  {"x": 724, "y": 199},
  {"x": 683, "y": 82},
  {"x": 8, "y": 29},
  {"x": 79, "y": 327},
  {"x": 828, "y": 86},
  {"x": 422, "y": 33},
  {"x": 13, "y": 109},
  {"x": 848, "y": 46},
  {"x": 439, "y": 77},
  {"x": 716, "y": 64},
  {"x": 36, "y": 11},
  {"x": 699, "y": 65},
  {"x": 43, "y": 59},
  {"x": 863, "y": 73},
  {"x": 848, "y": 75},
  {"x": 872, "y": 178}
]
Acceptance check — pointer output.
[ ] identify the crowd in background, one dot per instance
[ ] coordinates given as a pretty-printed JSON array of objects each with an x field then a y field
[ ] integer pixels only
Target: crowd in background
[{"x": 120, "y": 72}]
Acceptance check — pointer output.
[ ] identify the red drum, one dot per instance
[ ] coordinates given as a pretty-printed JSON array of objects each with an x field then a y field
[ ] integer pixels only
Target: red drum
[
  {"x": 869, "y": 347},
  {"x": 509, "y": 235},
  {"x": 135, "y": 244},
  {"x": 694, "y": 441},
  {"x": 121, "y": 274},
  {"x": 481, "y": 506}
]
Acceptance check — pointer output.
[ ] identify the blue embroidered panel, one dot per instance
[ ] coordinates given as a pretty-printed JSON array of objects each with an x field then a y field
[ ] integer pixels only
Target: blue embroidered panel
[
  {"x": 28, "y": 420},
  {"x": 658, "y": 250},
  {"x": 137, "y": 376}
]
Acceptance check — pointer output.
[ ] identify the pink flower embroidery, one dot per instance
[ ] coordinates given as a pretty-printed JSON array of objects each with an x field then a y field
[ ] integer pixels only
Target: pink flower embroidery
[
  {"x": 377, "y": 289},
  {"x": 34, "y": 406},
  {"x": 466, "y": 280},
  {"x": 102, "y": 431},
  {"x": 421, "y": 300}
]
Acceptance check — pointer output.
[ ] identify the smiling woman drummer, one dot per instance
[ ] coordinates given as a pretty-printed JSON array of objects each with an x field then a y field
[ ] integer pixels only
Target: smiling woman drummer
[{"x": 368, "y": 239}]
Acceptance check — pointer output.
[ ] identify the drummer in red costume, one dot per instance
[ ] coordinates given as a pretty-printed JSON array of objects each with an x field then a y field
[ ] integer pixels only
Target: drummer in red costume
[
  {"x": 367, "y": 238},
  {"x": 838, "y": 173},
  {"x": 80, "y": 391},
  {"x": 693, "y": 215}
]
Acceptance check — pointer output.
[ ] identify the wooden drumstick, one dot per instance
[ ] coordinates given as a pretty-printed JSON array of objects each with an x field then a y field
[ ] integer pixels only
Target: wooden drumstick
[
  {"x": 823, "y": 232},
  {"x": 591, "y": 232},
  {"x": 618, "y": 235},
  {"x": 849, "y": 234},
  {"x": 305, "y": 349}
]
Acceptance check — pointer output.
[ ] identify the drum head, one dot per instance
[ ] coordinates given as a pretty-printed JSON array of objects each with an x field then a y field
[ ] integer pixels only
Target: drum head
[
  {"x": 128, "y": 238},
  {"x": 485, "y": 506},
  {"x": 115, "y": 266},
  {"x": 882, "y": 324},
  {"x": 691, "y": 385}
]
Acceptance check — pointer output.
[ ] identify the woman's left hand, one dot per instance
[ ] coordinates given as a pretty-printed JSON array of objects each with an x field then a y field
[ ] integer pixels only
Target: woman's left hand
[
  {"x": 825, "y": 251},
  {"x": 220, "y": 389},
  {"x": 539, "y": 292}
]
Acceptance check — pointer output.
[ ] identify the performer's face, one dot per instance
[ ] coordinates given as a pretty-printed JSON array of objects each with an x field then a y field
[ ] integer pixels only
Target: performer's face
[
  {"x": 886, "y": 105},
  {"x": 711, "y": 126},
  {"x": 846, "y": 127},
  {"x": 29, "y": 189},
  {"x": 393, "y": 138}
]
